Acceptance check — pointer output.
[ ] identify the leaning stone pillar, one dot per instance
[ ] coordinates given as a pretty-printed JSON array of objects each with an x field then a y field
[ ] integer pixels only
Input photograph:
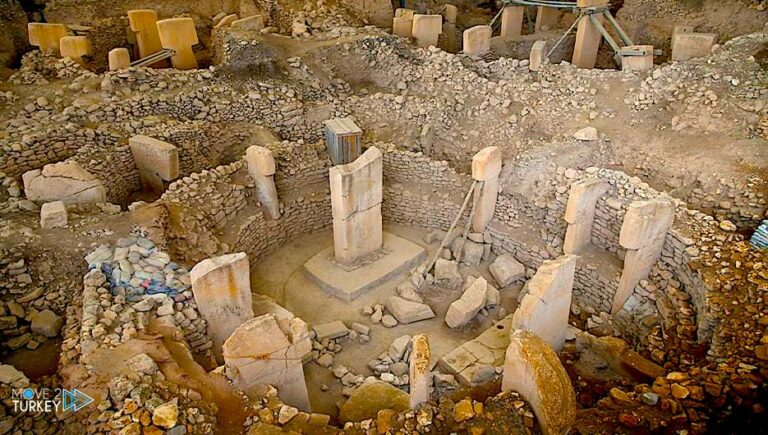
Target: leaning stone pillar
[
  {"x": 427, "y": 29},
  {"x": 477, "y": 40},
  {"x": 222, "y": 289},
  {"x": 512, "y": 21},
  {"x": 643, "y": 233},
  {"x": 179, "y": 34},
  {"x": 260, "y": 353},
  {"x": 261, "y": 167},
  {"x": 588, "y": 38},
  {"x": 544, "y": 310},
  {"x": 356, "y": 195},
  {"x": 580, "y": 213},
  {"x": 532, "y": 369},
  {"x": 486, "y": 166},
  {"x": 419, "y": 374}
]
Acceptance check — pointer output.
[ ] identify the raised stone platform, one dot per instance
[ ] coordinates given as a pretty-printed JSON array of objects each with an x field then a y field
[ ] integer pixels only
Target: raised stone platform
[{"x": 397, "y": 255}]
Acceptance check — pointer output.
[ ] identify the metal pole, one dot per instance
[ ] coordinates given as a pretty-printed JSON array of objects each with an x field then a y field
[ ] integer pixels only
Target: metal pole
[
  {"x": 478, "y": 194},
  {"x": 624, "y": 37}
]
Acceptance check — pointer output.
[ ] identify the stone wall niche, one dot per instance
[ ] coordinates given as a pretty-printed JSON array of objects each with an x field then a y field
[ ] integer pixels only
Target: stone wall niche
[
  {"x": 643, "y": 233},
  {"x": 580, "y": 213},
  {"x": 261, "y": 167},
  {"x": 222, "y": 289}
]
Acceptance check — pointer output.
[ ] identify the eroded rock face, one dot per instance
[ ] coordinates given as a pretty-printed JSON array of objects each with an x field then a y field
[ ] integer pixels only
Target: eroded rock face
[
  {"x": 533, "y": 369},
  {"x": 65, "y": 181}
]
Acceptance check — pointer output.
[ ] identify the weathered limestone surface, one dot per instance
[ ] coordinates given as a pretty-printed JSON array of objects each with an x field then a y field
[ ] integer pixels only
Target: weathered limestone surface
[
  {"x": 222, "y": 289},
  {"x": 46, "y": 36},
  {"x": 406, "y": 311},
  {"x": 64, "y": 181},
  {"x": 588, "y": 38},
  {"x": 180, "y": 35},
  {"x": 638, "y": 63},
  {"x": 157, "y": 161},
  {"x": 474, "y": 362},
  {"x": 477, "y": 40},
  {"x": 427, "y": 29},
  {"x": 691, "y": 45},
  {"x": 419, "y": 374},
  {"x": 464, "y": 309},
  {"x": 450, "y": 13},
  {"x": 259, "y": 353},
  {"x": 546, "y": 17},
  {"x": 402, "y": 27},
  {"x": 506, "y": 269},
  {"x": 580, "y": 213},
  {"x": 356, "y": 195},
  {"x": 53, "y": 215},
  {"x": 119, "y": 58},
  {"x": 261, "y": 167},
  {"x": 226, "y": 21},
  {"x": 254, "y": 22},
  {"x": 512, "y": 21},
  {"x": 486, "y": 167},
  {"x": 643, "y": 233},
  {"x": 143, "y": 23},
  {"x": 371, "y": 397},
  {"x": 533, "y": 369},
  {"x": 544, "y": 310},
  {"x": 75, "y": 47},
  {"x": 538, "y": 55}
]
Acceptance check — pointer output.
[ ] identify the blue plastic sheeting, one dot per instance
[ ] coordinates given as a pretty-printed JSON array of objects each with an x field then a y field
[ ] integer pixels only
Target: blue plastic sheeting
[{"x": 760, "y": 237}]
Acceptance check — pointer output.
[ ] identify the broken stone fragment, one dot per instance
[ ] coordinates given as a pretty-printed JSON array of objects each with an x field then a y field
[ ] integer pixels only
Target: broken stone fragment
[
  {"x": 506, "y": 269},
  {"x": 406, "y": 311},
  {"x": 464, "y": 309},
  {"x": 331, "y": 330},
  {"x": 53, "y": 215},
  {"x": 47, "y": 323},
  {"x": 586, "y": 134}
]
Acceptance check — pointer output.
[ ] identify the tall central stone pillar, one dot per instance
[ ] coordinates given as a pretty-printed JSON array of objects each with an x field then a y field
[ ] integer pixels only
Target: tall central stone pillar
[
  {"x": 588, "y": 38},
  {"x": 356, "y": 195}
]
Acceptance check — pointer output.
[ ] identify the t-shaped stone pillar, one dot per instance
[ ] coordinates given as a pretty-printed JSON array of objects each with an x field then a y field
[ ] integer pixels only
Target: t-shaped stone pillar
[
  {"x": 419, "y": 375},
  {"x": 144, "y": 26},
  {"x": 261, "y": 167},
  {"x": 222, "y": 289},
  {"x": 544, "y": 310},
  {"x": 119, "y": 58},
  {"x": 512, "y": 21},
  {"x": 643, "y": 233},
  {"x": 580, "y": 213},
  {"x": 588, "y": 38},
  {"x": 356, "y": 195},
  {"x": 486, "y": 166},
  {"x": 180, "y": 35},
  {"x": 46, "y": 36},
  {"x": 75, "y": 47},
  {"x": 477, "y": 40},
  {"x": 427, "y": 29}
]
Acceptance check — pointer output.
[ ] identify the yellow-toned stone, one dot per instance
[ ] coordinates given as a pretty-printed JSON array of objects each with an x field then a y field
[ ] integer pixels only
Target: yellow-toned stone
[
  {"x": 679, "y": 391},
  {"x": 254, "y": 22},
  {"x": 75, "y": 47},
  {"x": 463, "y": 410},
  {"x": 144, "y": 25},
  {"x": 119, "y": 58},
  {"x": 226, "y": 21},
  {"x": 371, "y": 397},
  {"x": 179, "y": 34},
  {"x": 46, "y": 36}
]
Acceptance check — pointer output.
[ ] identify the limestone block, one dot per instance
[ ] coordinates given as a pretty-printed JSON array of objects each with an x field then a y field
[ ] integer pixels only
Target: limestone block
[
  {"x": 156, "y": 156},
  {"x": 405, "y": 13},
  {"x": 638, "y": 63},
  {"x": 450, "y": 13},
  {"x": 419, "y": 374},
  {"x": 370, "y": 398},
  {"x": 682, "y": 29},
  {"x": 544, "y": 310},
  {"x": 637, "y": 265},
  {"x": 330, "y": 330},
  {"x": 691, "y": 45},
  {"x": 119, "y": 58},
  {"x": 486, "y": 164},
  {"x": 261, "y": 167},
  {"x": 258, "y": 353},
  {"x": 357, "y": 186},
  {"x": 580, "y": 213},
  {"x": 179, "y": 34},
  {"x": 546, "y": 18},
  {"x": 532, "y": 369},
  {"x": 477, "y": 40},
  {"x": 65, "y": 181},
  {"x": 402, "y": 27},
  {"x": 358, "y": 236},
  {"x": 222, "y": 289},
  {"x": 143, "y": 23},
  {"x": 588, "y": 38},
  {"x": 75, "y": 47},
  {"x": 464, "y": 309},
  {"x": 226, "y": 21},
  {"x": 427, "y": 29},
  {"x": 537, "y": 56},
  {"x": 46, "y": 36},
  {"x": 254, "y": 22},
  {"x": 645, "y": 222},
  {"x": 406, "y": 311},
  {"x": 446, "y": 270},
  {"x": 512, "y": 21},
  {"x": 53, "y": 215},
  {"x": 47, "y": 323},
  {"x": 506, "y": 269}
]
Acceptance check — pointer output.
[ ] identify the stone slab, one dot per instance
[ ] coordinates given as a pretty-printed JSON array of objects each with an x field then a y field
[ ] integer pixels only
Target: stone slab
[{"x": 400, "y": 255}]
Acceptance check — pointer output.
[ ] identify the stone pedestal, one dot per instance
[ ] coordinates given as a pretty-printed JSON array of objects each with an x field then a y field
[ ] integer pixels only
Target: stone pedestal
[
  {"x": 75, "y": 47},
  {"x": 544, "y": 310},
  {"x": 119, "y": 58},
  {"x": 427, "y": 29},
  {"x": 222, "y": 289},
  {"x": 643, "y": 234},
  {"x": 180, "y": 35},
  {"x": 261, "y": 167},
  {"x": 580, "y": 213},
  {"x": 588, "y": 38},
  {"x": 477, "y": 40},
  {"x": 157, "y": 161},
  {"x": 143, "y": 23},
  {"x": 512, "y": 21},
  {"x": 46, "y": 36},
  {"x": 486, "y": 167}
]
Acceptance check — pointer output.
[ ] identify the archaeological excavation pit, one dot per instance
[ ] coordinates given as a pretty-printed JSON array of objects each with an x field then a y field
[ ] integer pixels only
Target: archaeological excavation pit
[{"x": 359, "y": 217}]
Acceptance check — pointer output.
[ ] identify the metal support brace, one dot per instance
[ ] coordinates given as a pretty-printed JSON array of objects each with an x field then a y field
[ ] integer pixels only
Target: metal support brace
[
  {"x": 623, "y": 35},
  {"x": 154, "y": 57}
]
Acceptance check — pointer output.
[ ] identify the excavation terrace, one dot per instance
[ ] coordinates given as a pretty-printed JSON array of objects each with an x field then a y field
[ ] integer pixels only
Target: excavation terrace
[{"x": 362, "y": 217}]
